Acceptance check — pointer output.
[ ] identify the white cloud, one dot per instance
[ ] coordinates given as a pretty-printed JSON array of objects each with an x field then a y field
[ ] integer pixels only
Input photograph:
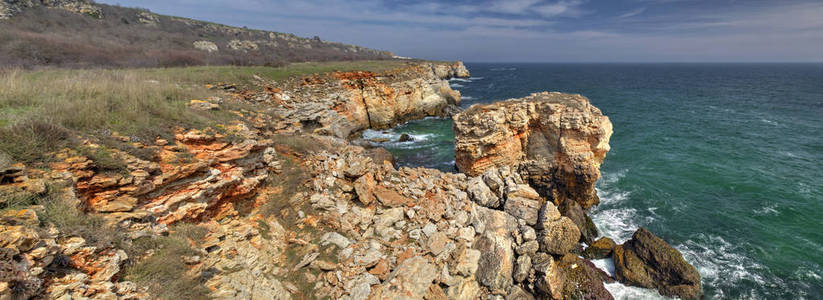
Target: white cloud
[
  {"x": 512, "y": 6},
  {"x": 567, "y": 8},
  {"x": 632, "y": 13}
]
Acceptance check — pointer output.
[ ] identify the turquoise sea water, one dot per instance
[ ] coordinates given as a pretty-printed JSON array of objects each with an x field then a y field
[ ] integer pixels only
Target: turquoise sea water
[{"x": 721, "y": 160}]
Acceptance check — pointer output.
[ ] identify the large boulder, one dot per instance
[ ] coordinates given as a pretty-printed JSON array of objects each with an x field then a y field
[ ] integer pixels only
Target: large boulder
[
  {"x": 559, "y": 237},
  {"x": 572, "y": 210},
  {"x": 647, "y": 261},
  {"x": 410, "y": 280},
  {"x": 577, "y": 278},
  {"x": 496, "y": 263},
  {"x": 557, "y": 234},
  {"x": 556, "y": 141},
  {"x": 523, "y": 203}
]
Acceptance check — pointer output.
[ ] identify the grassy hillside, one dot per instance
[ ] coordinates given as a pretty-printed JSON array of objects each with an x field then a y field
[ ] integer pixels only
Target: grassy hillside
[
  {"x": 45, "y": 110},
  {"x": 77, "y": 33}
]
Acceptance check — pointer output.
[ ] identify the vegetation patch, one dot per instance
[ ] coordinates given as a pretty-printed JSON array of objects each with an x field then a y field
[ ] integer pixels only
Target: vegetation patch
[{"x": 163, "y": 270}]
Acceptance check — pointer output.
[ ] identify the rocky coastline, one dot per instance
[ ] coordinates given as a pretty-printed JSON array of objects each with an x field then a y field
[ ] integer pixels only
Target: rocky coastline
[{"x": 290, "y": 208}]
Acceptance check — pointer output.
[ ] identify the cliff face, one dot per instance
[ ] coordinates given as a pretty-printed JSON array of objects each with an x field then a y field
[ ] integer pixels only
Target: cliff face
[
  {"x": 348, "y": 102},
  {"x": 557, "y": 141}
]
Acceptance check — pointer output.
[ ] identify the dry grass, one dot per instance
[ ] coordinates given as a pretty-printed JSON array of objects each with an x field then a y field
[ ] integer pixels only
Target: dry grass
[
  {"x": 164, "y": 271},
  {"x": 42, "y": 111}
]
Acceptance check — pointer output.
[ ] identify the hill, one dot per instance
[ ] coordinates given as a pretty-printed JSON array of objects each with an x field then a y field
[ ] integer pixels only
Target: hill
[{"x": 81, "y": 33}]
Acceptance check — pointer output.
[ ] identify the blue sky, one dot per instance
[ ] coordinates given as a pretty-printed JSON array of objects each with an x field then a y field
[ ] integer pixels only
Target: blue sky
[{"x": 538, "y": 30}]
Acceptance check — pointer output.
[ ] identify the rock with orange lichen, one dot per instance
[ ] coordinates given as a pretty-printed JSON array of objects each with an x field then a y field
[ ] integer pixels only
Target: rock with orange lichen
[{"x": 557, "y": 142}]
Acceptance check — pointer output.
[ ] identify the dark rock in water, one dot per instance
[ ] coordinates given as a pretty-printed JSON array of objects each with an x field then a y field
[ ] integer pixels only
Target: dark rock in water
[
  {"x": 588, "y": 231},
  {"x": 648, "y": 261},
  {"x": 601, "y": 248},
  {"x": 574, "y": 278},
  {"x": 405, "y": 138}
]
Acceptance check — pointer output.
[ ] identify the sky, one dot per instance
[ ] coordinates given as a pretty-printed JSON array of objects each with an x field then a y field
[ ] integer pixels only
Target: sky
[{"x": 537, "y": 30}]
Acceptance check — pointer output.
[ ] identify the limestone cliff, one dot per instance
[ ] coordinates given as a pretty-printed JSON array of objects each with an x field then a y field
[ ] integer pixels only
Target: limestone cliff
[
  {"x": 348, "y": 102},
  {"x": 557, "y": 141}
]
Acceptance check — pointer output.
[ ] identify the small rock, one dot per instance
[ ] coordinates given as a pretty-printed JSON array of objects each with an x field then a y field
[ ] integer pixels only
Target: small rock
[
  {"x": 528, "y": 248},
  {"x": 601, "y": 248},
  {"x": 522, "y": 268},
  {"x": 481, "y": 194},
  {"x": 307, "y": 259},
  {"x": 437, "y": 242},
  {"x": 467, "y": 262}
]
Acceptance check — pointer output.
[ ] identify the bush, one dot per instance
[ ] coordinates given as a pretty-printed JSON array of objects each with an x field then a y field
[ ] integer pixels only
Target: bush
[{"x": 30, "y": 140}]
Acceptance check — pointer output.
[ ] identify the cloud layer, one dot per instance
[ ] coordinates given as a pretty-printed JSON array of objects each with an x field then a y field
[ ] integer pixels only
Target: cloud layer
[{"x": 538, "y": 30}]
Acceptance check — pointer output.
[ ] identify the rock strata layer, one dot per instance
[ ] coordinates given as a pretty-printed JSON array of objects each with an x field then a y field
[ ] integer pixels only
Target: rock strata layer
[
  {"x": 556, "y": 141},
  {"x": 348, "y": 102}
]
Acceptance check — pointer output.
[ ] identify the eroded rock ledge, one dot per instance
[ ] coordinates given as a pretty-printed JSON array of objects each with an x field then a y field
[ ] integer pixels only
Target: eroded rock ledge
[
  {"x": 557, "y": 141},
  {"x": 347, "y": 102}
]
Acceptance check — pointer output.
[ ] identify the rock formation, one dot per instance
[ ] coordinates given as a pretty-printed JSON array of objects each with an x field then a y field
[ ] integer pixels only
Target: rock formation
[
  {"x": 556, "y": 141},
  {"x": 647, "y": 261},
  {"x": 348, "y": 102},
  {"x": 288, "y": 207}
]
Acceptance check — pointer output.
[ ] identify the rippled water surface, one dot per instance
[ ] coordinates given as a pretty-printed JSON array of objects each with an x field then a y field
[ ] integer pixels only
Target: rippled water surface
[{"x": 721, "y": 160}]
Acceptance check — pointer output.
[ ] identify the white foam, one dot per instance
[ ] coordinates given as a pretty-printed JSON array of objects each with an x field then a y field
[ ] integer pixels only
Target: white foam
[
  {"x": 770, "y": 209},
  {"x": 719, "y": 264},
  {"x": 467, "y": 97},
  {"x": 619, "y": 290},
  {"x": 475, "y": 78},
  {"x": 624, "y": 292},
  {"x": 461, "y": 79},
  {"x": 393, "y": 138},
  {"x": 616, "y": 223},
  {"x": 770, "y": 122},
  {"x": 456, "y": 85}
]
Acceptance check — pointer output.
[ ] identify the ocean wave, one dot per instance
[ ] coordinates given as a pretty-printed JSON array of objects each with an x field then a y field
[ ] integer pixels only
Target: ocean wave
[
  {"x": 467, "y": 97},
  {"x": 503, "y": 69},
  {"x": 618, "y": 223},
  {"x": 476, "y": 78},
  {"x": 720, "y": 264},
  {"x": 620, "y": 291},
  {"x": 767, "y": 210},
  {"x": 770, "y": 122},
  {"x": 624, "y": 292},
  {"x": 461, "y": 79},
  {"x": 393, "y": 137},
  {"x": 456, "y": 85}
]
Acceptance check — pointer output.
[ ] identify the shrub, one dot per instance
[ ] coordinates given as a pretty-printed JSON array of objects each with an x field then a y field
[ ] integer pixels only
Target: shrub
[{"x": 30, "y": 140}]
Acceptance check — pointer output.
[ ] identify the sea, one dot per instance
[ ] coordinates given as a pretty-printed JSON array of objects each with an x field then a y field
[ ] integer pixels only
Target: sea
[{"x": 723, "y": 161}]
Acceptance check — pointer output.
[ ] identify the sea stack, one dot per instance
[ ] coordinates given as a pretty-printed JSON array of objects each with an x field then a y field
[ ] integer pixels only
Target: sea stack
[{"x": 556, "y": 141}]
